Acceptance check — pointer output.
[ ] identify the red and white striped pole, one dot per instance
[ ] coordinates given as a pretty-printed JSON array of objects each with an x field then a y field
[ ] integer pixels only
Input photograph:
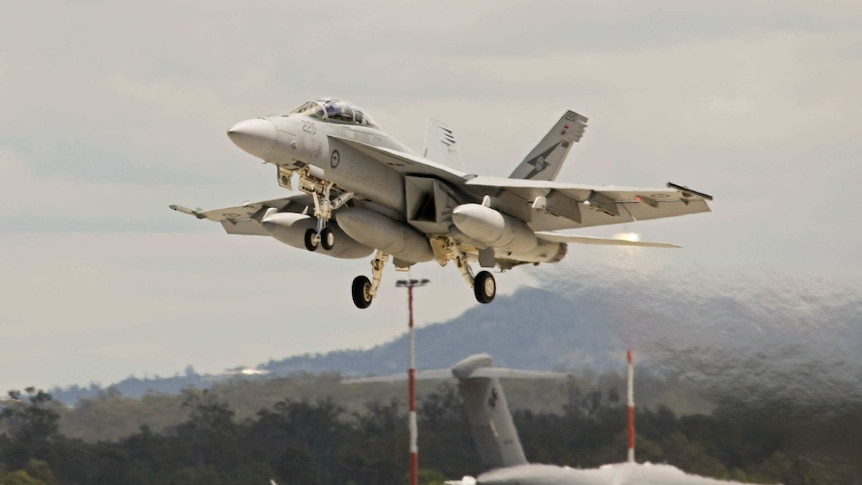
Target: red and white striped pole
[
  {"x": 411, "y": 381},
  {"x": 631, "y": 406},
  {"x": 411, "y": 378}
]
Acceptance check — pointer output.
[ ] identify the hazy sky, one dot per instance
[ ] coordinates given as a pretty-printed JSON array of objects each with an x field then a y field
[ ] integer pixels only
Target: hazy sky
[{"x": 111, "y": 111}]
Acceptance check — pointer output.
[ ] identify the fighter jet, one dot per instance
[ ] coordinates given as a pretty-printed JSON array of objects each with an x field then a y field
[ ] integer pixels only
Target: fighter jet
[
  {"x": 499, "y": 447},
  {"x": 364, "y": 192}
]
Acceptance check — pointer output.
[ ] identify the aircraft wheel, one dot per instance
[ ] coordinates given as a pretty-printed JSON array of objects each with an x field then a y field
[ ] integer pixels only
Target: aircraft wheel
[
  {"x": 312, "y": 239},
  {"x": 327, "y": 238},
  {"x": 362, "y": 292},
  {"x": 484, "y": 287}
]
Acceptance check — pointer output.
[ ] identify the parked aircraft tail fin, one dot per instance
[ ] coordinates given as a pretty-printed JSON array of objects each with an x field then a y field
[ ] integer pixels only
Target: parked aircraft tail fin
[
  {"x": 491, "y": 422},
  {"x": 546, "y": 159},
  {"x": 441, "y": 145}
]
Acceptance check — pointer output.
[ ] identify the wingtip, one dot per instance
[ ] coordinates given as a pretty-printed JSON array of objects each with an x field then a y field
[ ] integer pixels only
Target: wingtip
[{"x": 688, "y": 192}]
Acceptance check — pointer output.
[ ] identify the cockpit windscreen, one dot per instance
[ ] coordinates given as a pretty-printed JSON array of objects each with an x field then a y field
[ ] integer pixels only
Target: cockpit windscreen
[{"x": 336, "y": 111}]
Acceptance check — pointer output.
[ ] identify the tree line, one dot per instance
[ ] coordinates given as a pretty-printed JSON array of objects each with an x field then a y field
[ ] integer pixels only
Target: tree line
[{"x": 311, "y": 442}]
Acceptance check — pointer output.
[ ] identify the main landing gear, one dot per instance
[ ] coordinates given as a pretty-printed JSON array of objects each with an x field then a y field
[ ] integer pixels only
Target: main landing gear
[
  {"x": 363, "y": 289},
  {"x": 484, "y": 287},
  {"x": 321, "y": 192},
  {"x": 483, "y": 284}
]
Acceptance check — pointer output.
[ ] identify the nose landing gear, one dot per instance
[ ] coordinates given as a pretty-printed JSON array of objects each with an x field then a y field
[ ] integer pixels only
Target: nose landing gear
[
  {"x": 324, "y": 238},
  {"x": 320, "y": 191}
]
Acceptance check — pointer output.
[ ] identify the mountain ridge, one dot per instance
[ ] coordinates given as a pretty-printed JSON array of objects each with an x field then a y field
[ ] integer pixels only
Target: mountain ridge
[{"x": 746, "y": 337}]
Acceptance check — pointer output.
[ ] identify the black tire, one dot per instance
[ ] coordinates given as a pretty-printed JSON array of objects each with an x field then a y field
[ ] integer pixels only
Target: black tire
[
  {"x": 362, "y": 292},
  {"x": 327, "y": 238},
  {"x": 484, "y": 287},
  {"x": 311, "y": 240}
]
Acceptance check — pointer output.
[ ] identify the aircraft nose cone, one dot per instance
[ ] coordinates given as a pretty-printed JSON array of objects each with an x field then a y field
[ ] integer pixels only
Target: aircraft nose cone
[{"x": 256, "y": 136}]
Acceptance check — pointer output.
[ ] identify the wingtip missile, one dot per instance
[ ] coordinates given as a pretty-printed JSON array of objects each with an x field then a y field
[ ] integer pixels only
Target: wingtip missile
[{"x": 186, "y": 210}]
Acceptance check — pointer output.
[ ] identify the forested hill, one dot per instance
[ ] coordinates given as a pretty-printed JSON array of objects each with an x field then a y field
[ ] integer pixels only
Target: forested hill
[
  {"x": 532, "y": 329},
  {"x": 744, "y": 336}
]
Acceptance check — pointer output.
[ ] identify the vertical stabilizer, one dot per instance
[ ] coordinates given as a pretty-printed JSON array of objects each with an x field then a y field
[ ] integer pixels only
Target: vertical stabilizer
[
  {"x": 488, "y": 412},
  {"x": 546, "y": 160}
]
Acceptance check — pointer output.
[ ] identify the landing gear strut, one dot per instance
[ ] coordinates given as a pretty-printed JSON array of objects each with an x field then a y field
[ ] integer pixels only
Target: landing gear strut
[
  {"x": 484, "y": 286},
  {"x": 320, "y": 191},
  {"x": 363, "y": 289}
]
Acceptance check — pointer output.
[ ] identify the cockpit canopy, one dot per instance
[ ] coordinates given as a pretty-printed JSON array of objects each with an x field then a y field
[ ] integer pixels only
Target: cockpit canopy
[{"x": 336, "y": 111}]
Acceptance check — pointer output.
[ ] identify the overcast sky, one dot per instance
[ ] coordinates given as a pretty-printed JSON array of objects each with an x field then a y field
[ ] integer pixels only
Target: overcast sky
[{"x": 111, "y": 111}]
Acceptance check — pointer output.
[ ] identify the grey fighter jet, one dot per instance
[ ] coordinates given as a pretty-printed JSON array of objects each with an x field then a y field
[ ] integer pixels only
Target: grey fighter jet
[{"x": 363, "y": 191}]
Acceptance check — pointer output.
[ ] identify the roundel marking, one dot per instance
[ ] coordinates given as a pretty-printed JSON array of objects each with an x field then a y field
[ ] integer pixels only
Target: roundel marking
[{"x": 334, "y": 159}]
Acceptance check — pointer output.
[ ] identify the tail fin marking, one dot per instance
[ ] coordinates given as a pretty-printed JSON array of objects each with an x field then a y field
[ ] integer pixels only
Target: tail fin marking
[
  {"x": 488, "y": 412},
  {"x": 546, "y": 159}
]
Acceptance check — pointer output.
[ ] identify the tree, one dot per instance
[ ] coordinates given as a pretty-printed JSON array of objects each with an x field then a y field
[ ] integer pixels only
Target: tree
[
  {"x": 30, "y": 425},
  {"x": 30, "y": 419},
  {"x": 210, "y": 431}
]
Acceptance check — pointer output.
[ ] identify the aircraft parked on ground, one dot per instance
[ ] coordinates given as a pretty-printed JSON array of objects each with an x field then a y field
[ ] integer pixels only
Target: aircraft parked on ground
[
  {"x": 499, "y": 447},
  {"x": 365, "y": 191}
]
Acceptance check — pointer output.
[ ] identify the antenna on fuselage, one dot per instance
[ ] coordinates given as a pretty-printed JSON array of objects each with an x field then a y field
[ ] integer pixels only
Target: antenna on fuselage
[{"x": 630, "y": 385}]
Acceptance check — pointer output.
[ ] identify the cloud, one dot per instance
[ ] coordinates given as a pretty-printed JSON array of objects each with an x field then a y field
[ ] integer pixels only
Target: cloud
[{"x": 113, "y": 111}]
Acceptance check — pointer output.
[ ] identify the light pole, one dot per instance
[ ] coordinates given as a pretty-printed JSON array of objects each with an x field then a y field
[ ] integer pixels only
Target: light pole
[
  {"x": 411, "y": 379},
  {"x": 630, "y": 401}
]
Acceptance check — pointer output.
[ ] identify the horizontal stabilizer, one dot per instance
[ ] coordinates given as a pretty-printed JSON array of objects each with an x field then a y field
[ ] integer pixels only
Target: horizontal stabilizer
[
  {"x": 478, "y": 366},
  {"x": 562, "y": 238},
  {"x": 421, "y": 375},
  {"x": 503, "y": 373}
]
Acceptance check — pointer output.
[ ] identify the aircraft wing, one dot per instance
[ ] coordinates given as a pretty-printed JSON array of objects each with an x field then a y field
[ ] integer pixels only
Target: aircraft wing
[
  {"x": 557, "y": 205},
  {"x": 244, "y": 219}
]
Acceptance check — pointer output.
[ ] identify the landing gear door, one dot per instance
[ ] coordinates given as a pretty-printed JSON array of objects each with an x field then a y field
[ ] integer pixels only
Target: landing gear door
[{"x": 285, "y": 177}]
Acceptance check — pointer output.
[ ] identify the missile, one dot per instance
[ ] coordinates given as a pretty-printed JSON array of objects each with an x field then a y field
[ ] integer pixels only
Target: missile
[
  {"x": 388, "y": 235},
  {"x": 493, "y": 228},
  {"x": 290, "y": 228}
]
